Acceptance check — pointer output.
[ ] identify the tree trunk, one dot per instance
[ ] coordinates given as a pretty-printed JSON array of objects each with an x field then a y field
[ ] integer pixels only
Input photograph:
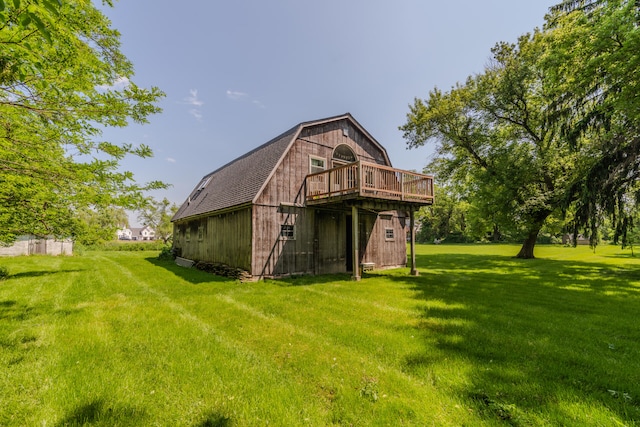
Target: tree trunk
[
  {"x": 496, "y": 233},
  {"x": 526, "y": 252}
]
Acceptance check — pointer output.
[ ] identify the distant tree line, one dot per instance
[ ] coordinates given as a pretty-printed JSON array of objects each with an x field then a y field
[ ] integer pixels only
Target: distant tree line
[{"x": 456, "y": 220}]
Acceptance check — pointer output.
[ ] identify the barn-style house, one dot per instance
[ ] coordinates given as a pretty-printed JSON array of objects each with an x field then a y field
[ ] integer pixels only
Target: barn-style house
[{"x": 320, "y": 198}]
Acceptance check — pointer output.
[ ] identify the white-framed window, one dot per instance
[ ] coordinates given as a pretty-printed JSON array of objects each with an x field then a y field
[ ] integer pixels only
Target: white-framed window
[
  {"x": 287, "y": 232},
  {"x": 317, "y": 164},
  {"x": 389, "y": 234},
  {"x": 200, "y": 233}
]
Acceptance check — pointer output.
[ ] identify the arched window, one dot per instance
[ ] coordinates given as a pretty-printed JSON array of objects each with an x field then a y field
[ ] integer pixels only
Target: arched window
[{"x": 343, "y": 154}]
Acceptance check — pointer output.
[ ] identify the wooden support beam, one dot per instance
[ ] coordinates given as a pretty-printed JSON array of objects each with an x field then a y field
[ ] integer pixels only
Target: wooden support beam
[
  {"x": 412, "y": 238},
  {"x": 355, "y": 237}
]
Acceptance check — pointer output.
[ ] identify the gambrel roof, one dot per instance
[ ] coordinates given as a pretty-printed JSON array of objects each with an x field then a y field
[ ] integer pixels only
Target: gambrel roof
[{"x": 240, "y": 181}]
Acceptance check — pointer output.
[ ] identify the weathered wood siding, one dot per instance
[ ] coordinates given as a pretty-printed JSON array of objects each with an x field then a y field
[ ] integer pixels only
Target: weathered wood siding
[
  {"x": 321, "y": 236},
  {"x": 382, "y": 251},
  {"x": 224, "y": 238},
  {"x": 323, "y": 139},
  {"x": 275, "y": 254},
  {"x": 331, "y": 233}
]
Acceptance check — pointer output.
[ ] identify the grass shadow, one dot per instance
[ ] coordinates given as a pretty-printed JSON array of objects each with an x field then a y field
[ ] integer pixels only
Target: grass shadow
[
  {"x": 215, "y": 420},
  {"x": 98, "y": 411},
  {"x": 12, "y": 310},
  {"x": 40, "y": 273},
  {"x": 191, "y": 275},
  {"x": 533, "y": 331}
]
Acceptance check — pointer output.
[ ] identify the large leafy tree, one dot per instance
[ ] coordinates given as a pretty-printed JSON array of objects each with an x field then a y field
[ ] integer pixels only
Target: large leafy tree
[
  {"x": 549, "y": 126},
  {"x": 594, "y": 64},
  {"x": 62, "y": 80},
  {"x": 495, "y": 140}
]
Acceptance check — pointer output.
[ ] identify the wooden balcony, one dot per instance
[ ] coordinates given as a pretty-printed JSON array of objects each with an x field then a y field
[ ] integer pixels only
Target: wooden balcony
[{"x": 369, "y": 181}]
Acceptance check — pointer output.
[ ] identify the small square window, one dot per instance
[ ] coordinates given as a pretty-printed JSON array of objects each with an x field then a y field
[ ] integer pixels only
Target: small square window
[
  {"x": 317, "y": 164},
  {"x": 389, "y": 234},
  {"x": 287, "y": 232}
]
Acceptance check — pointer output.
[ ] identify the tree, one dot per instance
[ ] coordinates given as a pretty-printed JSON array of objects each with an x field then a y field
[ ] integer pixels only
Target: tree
[
  {"x": 62, "y": 80},
  {"x": 444, "y": 220},
  {"x": 96, "y": 226},
  {"x": 597, "y": 85},
  {"x": 548, "y": 125},
  {"x": 494, "y": 138},
  {"x": 157, "y": 215}
]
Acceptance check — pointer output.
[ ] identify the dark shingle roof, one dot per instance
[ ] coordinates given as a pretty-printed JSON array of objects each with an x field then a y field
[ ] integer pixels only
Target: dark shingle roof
[
  {"x": 237, "y": 182},
  {"x": 240, "y": 181}
]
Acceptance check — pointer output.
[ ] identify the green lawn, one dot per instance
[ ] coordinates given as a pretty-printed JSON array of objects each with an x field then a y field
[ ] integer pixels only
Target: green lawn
[{"x": 479, "y": 338}]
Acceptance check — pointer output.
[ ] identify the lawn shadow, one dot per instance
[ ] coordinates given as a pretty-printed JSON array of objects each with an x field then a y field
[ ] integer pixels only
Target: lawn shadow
[
  {"x": 195, "y": 276},
  {"x": 40, "y": 273},
  {"x": 533, "y": 331},
  {"x": 191, "y": 275},
  {"x": 12, "y": 310},
  {"x": 98, "y": 411},
  {"x": 215, "y": 420}
]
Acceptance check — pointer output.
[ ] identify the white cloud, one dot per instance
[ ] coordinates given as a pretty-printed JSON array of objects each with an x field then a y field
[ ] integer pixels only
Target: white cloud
[
  {"x": 235, "y": 95},
  {"x": 192, "y": 99},
  {"x": 171, "y": 160}
]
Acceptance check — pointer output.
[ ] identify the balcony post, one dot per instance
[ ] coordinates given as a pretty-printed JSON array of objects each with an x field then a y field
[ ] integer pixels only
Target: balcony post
[
  {"x": 355, "y": 236},
  {"x": 412, "y": 244}
]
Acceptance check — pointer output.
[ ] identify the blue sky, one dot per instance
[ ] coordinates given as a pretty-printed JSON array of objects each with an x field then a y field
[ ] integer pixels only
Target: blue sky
[{"x": 238, "y": 73}]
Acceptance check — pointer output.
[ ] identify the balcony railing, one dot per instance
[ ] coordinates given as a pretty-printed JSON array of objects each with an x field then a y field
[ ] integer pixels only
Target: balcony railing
[{"x": 370, "y": 180}]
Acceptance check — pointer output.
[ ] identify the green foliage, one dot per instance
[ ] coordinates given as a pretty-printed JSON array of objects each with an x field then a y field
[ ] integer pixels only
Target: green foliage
[
  {"x": 62, "y": 80},
  {"x": 157, "y": 215},
  {"x": 166, "y": 254},
  {"x": 549, "y": 127},
  {"x": 369, "y": 389},
  {"x": 4, "y": 272},
  {"x": 594, "y": 59},
  {"x": 129, "y": 246},
  {"x": 444, "y": 220},
  {"x": 97, "y": 226}
]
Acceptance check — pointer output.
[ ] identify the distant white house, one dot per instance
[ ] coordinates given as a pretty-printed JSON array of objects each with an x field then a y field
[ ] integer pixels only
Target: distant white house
[
  {"x": 32, "y": 245},
  {"x": 136, "y": 233}
]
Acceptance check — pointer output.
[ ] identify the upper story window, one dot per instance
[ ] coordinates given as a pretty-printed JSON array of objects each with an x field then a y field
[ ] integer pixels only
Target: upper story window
[
  {"x": 344, "y": 153},
  {"x": 317, "y": 164},
  {"x": 201, "y": 187}
]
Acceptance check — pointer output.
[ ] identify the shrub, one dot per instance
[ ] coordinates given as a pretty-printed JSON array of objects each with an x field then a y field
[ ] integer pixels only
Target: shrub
[
  {"x": 166, "y": 253},
  {"x": 129, "y": 246}
]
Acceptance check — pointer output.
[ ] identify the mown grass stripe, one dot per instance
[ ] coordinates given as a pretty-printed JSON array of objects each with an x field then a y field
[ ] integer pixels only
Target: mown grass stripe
[{"x": 478, "y": 339}]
